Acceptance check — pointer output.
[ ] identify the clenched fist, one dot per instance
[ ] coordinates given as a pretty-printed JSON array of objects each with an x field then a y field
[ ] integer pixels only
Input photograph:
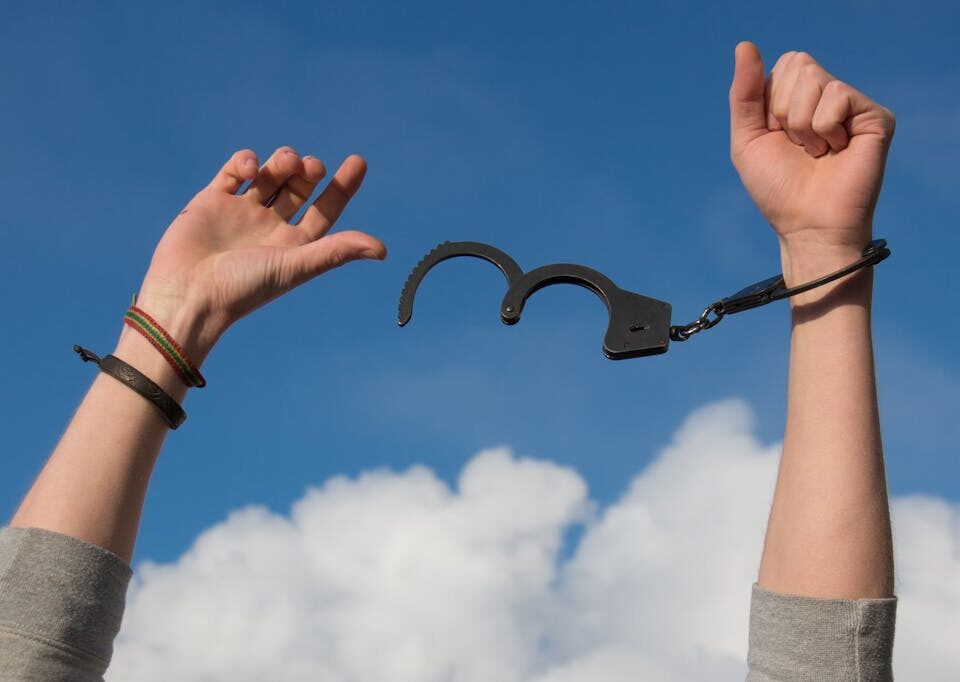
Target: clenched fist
[{"x": 810, "y": 150}]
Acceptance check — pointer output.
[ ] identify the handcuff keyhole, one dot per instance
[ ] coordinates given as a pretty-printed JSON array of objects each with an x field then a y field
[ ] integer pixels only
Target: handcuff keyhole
[{"x": 639, "y": 327}]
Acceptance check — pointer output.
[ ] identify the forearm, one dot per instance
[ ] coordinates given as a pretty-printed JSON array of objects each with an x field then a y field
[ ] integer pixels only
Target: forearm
[
  {"x": 94, "y": 484},
  {"x": 829, "y": 527},
  {"x": 224, "y": 256}
]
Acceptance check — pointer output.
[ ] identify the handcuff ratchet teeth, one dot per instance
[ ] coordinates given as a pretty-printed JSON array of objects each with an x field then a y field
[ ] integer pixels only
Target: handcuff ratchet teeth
[{"x": 638, "y": 325}]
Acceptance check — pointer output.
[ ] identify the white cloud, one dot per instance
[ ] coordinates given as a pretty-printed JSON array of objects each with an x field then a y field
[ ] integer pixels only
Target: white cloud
[
  {"x": 394, "y": 576},
  {"x": 927, "y": 534}
]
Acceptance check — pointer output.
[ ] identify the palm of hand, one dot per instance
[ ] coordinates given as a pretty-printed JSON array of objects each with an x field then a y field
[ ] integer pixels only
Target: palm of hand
[
  {"x": 230, "y": 252},
  {"x": 226, "y": 254}
]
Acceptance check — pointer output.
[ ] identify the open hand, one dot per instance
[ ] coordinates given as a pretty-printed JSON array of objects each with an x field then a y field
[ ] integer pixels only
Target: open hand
[
  {"x": 227, "y": 254},
  {"x": 811, "y": 151}
]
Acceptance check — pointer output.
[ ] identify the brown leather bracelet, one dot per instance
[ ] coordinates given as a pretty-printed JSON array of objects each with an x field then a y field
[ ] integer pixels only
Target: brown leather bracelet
[{"x": 172, "y": 413}]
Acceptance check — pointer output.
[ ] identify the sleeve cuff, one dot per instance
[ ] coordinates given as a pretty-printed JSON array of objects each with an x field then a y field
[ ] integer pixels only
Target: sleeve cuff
[
  {"x": 806, "y": 638},
  {"x": 61, "y": 590}
]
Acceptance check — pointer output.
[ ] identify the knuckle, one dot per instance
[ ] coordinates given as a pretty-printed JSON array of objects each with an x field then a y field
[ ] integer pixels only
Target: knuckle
[
  {"x": 835, "y": 87},
  {"x": 782, "y": 60},
  {"x": 889, "y": 120},
  {"x": 336, "y": 257}
]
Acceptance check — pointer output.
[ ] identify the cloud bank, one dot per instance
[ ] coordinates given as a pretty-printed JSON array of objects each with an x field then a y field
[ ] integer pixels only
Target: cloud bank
[{"x": 396, "y": 576}]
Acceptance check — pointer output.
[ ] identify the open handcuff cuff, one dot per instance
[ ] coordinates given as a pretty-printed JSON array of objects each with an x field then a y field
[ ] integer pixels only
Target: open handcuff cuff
[{"x": 639, "y": 325}]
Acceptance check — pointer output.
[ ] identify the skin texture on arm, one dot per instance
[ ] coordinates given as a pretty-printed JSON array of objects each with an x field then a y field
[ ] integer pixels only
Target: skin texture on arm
[
  {"x": 811, "y": 152},
  {"x": 224, "y": 256}
]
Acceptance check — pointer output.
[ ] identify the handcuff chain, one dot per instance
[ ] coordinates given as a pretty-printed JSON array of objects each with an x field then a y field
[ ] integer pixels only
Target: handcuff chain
[{"x": 684, "y": 332}]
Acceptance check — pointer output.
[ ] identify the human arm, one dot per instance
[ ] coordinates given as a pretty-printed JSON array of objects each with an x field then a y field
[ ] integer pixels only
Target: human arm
[
  {"x": 811, "y": 152},
  {"x": 224, "y": 256},
  {"x": 221, "y": 258}
]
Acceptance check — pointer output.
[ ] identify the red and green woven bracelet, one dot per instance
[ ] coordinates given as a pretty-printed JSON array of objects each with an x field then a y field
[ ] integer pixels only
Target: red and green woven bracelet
[{"x": 163, "y": 342}]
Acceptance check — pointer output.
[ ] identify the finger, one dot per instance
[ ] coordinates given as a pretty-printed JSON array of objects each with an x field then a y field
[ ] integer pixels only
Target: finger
[
  {"x": 242, "y": 166},
  {"x": 747, "y": 108},
  {"x": 281, "y": 165},
  {"x": 844, "y": 112},
  {"x": 782, "y": 90},
  {"x": 775, "y": 82},
  {"x": 323, "y": 213},
  {"x": 305, "y": 262},
  {"x": 298, "y": 187},
  {"x": 803, "y": 104}
]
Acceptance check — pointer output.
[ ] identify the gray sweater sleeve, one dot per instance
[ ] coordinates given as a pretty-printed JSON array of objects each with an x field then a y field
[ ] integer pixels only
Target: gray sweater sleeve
[
  {"x": 62, "y": 599},
  {"x": 61, "y": 602},
  {"x": 802, "y": 639}
]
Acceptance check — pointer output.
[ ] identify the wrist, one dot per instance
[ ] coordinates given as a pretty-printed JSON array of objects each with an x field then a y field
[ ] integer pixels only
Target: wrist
[
  {"x": 141, "y": 342},
  {"x": 137, "y": 352},
  {"x": 805, "y": 261},
  {"x": 190, "y": 323}
]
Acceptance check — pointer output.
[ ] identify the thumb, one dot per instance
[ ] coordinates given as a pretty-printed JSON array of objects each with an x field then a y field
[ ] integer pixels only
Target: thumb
[
  {"x": 748, "y": 118},
  {"x": 305, "y": 262}
]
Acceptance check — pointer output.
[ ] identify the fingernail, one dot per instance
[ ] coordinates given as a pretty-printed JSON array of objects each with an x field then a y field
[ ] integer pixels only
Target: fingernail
[
  {"x": 371, "y": 254},
  {"x": 249, "y": 164}
]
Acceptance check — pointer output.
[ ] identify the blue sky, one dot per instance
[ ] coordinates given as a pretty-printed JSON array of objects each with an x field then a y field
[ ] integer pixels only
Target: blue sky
[{"x": 553, "y": 132}]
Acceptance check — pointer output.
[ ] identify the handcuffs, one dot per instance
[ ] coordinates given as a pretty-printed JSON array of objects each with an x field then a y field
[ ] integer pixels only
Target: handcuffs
[{"x": 639, "y": 325}]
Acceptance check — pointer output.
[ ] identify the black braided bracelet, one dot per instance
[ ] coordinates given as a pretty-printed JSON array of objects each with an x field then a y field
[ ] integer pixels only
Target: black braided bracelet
[{"x": 172, "y": 413}]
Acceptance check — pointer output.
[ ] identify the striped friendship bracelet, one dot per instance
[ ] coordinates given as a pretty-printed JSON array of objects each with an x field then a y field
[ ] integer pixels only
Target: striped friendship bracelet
[{"x": 163, "y": 342}]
